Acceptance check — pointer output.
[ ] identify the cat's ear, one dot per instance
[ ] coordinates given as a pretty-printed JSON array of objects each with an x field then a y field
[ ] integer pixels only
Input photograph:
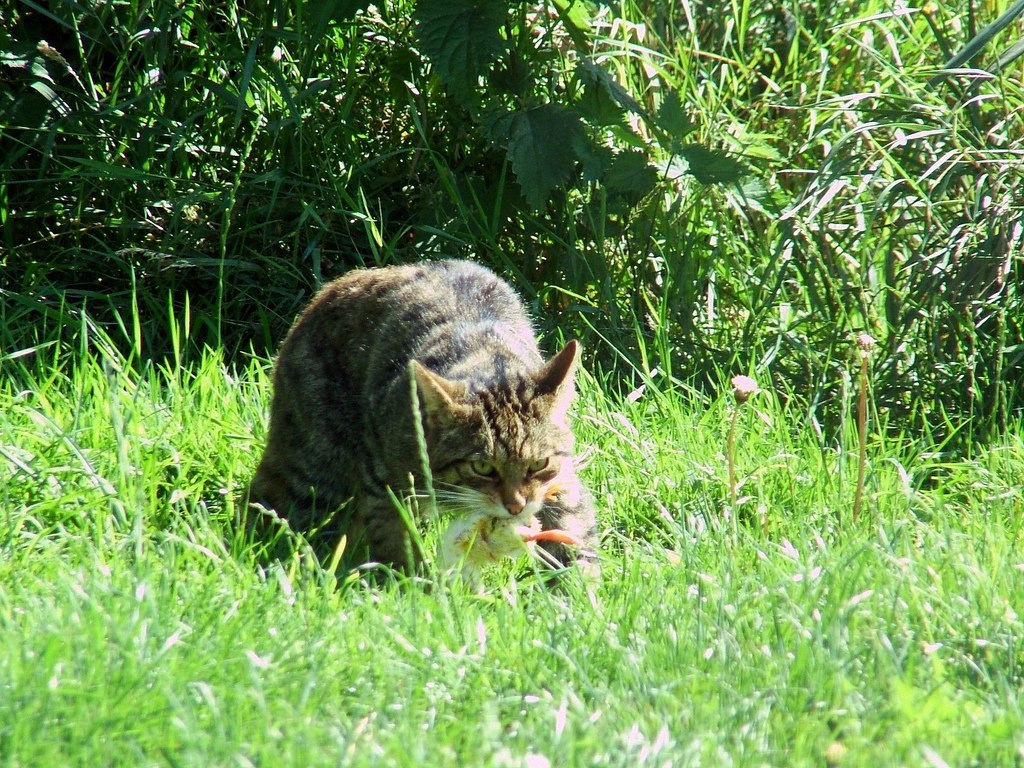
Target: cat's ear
[
  {"x": 556, "y": 380},
  {"x": 439, "y": 396}
]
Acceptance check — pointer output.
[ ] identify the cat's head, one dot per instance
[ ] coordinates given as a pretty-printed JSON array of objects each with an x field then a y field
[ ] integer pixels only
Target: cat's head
[{"x": 501, "y": 450}]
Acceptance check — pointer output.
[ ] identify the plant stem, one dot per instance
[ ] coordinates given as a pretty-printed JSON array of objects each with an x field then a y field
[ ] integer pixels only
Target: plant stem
[
  {"x": 742, "y": 388},
  {"x": 730, "y": 458},
  {"x": 862, "y": 434}
]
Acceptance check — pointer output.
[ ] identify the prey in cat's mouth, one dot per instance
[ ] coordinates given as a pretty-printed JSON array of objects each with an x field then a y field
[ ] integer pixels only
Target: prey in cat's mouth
[
  {"x": 486, "y": 528},
  {"x": 474, "y": 541},
  {"x": 479, "y": 540}
]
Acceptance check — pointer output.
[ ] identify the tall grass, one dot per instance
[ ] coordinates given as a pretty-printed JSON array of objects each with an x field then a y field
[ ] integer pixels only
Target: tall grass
[
  {"x": 237, "y": 157},
  {"x": 139, "y": 627}
]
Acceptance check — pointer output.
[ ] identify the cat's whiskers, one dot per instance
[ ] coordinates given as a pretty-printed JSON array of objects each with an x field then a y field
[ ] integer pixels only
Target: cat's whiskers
[{"x": 465, "y": 500}]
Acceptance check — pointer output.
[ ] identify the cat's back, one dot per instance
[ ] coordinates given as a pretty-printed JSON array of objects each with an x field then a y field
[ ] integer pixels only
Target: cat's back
[
  {"x": 376, "y": 320},
  {"x": 457, "y": 290}
]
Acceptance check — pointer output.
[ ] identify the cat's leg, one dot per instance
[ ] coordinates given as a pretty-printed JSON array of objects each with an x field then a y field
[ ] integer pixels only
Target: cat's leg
[
  {"x": 387, "y": 535},
  {"x": 274, "y": 501},
  {"x": 272, "y": 511}
]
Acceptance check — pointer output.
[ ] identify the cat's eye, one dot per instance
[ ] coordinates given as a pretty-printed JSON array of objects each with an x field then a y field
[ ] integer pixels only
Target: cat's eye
[
  {"x": 483, "y": 468},
  {"x": 538, "y": 466}
]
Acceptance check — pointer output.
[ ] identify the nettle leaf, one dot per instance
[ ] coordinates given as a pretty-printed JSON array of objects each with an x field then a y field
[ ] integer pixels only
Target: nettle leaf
[
  {"x": 541, "y": 145},
  {"x": 497, "y": 125},
  {"x": 513, "y": 76},
  {"x": 576, "y": 19},
  {"x": 26, "y": 56},
  {"x": 604, "y": 101},
  {"x": 752, "y": 192},
  {"x": 461, "y": 38},
  {"x": 710, "y": 166},
  {"x": 631, "y": 176},
  {"x": 599, "y": 108},
  {"x": 671, "y": 117},
  {"x": 595, "y": 158}
]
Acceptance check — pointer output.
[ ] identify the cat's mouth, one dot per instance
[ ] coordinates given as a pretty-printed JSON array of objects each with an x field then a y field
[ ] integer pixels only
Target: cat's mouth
[
  {"x": 504, "y": 527},
  {"x": 526, "y": 517},
  {"x": 483, "y": 538}
]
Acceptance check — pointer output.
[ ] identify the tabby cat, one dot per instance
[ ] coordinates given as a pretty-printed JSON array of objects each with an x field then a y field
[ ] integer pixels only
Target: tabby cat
[{"x": 493, "y": 414}]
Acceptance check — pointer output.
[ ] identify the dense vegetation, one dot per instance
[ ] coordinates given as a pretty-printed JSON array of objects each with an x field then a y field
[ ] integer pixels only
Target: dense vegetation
[{"x": 696, "y": 190}]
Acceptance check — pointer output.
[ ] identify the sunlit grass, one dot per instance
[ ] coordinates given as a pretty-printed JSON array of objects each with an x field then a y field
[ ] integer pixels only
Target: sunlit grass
[
  {"x": 746, "y": 615},
  {"x": 140, "y": 628}
]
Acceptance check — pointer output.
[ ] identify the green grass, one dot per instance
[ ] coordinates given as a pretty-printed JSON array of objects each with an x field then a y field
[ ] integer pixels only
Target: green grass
[
  {"x": 137, "y": 628},
  {"x": 176, "y": 179}
]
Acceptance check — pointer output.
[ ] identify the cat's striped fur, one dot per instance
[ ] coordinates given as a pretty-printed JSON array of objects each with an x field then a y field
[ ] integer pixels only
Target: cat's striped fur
[{"x": 494, "y": 412}]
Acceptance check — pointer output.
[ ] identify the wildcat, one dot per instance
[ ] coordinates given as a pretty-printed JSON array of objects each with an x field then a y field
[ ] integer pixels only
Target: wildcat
[{"x": 494, "y": 415}]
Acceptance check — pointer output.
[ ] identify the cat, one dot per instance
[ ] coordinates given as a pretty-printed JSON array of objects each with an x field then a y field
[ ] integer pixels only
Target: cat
[{"x": 344, "y": 444}]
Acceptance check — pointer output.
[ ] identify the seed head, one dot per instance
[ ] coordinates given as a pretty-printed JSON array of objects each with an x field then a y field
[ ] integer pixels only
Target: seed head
[
  {"x": 743, "y": 387},
  {"x": 865, "y": 343}
]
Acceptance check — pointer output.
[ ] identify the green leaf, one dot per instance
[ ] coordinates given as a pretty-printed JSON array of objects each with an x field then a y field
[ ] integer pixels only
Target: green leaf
[
  {"x": 52, "y": 97},
  {"x": 1010, "y": 55},
  {"x": 974, "y": 46},
  {"x": 604, "y": 100},
  {"x": 631, "y": 176},
  {"x": 513, "y": 77},
  {"x": 755, "y": 194},
  {"x": 104, "y": 170},
  {"x": 671, "y": 117},
  {"x": 540, "y": 148},
  {"x": 710, "y": 166},
  {"x": 321, "y": 15},
  {"x": 596, "y": 158},
  {"x": 461, "y": 38},
  {"x": 26, "y": 56},
  {"x": 497, "y": 125},
  {"x": 16, "y": 60}
]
